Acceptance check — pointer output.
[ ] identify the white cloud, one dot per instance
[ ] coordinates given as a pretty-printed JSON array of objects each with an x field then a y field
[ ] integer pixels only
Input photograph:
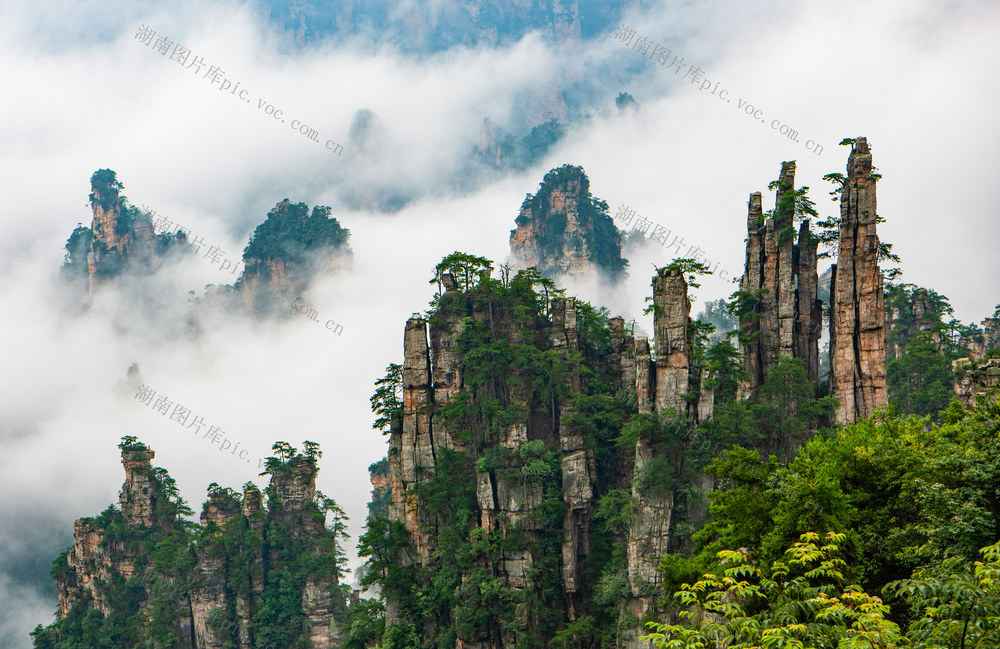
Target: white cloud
[{"x": 915, "y": 78}]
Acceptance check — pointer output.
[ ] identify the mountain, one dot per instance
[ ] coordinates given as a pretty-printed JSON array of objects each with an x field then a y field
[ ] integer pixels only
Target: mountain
[
  {"x": 443, "y": 25},
  {"x": 120, "y": 239},
  {"x": 553, "y": 480},
  {"x": 249, "y": 575},
  {"x": 563, "y": 230},
  {"x": 284, "y": 253}
]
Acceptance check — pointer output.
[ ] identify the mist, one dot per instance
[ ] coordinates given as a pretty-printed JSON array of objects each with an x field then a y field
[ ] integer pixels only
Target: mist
[{"x": 916, "y": 78}]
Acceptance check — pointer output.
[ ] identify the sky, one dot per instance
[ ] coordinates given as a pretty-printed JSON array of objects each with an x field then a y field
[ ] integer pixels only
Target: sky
[{"x": 81, "y": 93}]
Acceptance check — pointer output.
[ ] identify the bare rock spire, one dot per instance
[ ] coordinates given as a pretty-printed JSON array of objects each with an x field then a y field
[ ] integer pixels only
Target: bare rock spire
[
  {"x": 781, "y": 283},
  {"x": 857, "y": 339}
]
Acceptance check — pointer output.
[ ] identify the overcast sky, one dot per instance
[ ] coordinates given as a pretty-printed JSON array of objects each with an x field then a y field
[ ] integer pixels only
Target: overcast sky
[{"x": 80, "y": 93}]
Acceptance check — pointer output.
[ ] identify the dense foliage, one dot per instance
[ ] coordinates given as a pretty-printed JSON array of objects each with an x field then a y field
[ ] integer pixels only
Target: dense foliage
[
  {"x": 510, "y": 370},
  {"x": 292, "y": 234},
  {"x": 601, "y": 237},
  {"x": 921, "y": 346},
  {"x": 908, "y": 499}
]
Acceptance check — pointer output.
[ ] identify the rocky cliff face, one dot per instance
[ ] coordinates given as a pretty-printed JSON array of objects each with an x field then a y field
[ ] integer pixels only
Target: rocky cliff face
[
  {"x": 976, "y": 379},
  {"x": 662, "y": 382},
  {"x": 501, "y": 399},
  {"x": 857, "y": 338},
  {"x": 120, "y": 238},
  {"x": 907, "y": 313},
  {"x": 990, "y": 339},
  {"x": 285, "y": 252},
  {"x": 149, "y": 576},
  {"x": 563, "y": 230},
  {"x": 784, "y": 316}
]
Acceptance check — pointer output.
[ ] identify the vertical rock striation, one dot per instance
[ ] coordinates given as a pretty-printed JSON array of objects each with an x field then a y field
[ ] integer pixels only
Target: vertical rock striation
[
  {"x": 671, "y": 312},
  {"x": 651, "y": 532},
  {"x": 140, "y": 493},
  {"x": 783, "y": 315},
  {"x": 976, "y": 380},
  {"x": 990, "y": 339},
  {"x": 211, "y": 604},
  {"x": 563, "y": 230},
  {"x": 857, "y": 338}
]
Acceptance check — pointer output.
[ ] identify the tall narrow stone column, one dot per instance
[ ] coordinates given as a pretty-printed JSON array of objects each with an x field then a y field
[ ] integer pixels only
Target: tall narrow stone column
[
  {"x": 781, "y": 281},
  {"x": 857, "y": 338}
]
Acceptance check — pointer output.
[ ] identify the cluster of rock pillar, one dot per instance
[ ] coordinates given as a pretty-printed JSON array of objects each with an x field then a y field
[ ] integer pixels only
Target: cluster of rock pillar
[
  {"x": 780, "y": 282},
  {"x": 432, "y": 374},
  {"x": 94, "y": 559},
  {"x": 663, "y": 381},
  {"x": 780, "y": 270}
]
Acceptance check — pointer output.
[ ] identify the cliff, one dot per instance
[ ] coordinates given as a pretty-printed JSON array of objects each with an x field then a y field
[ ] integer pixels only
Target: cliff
[
  {"x": 975, "y": 380},
  {"x": 521, "y": 488},
  {"x": 989, "y": 339},
  {"x": 249, "y": 576},
  {"x": 285, "y": 252},
  {"x": 120, "y": 239},
  {"x": 563, "y": 230},
  {"x": 857, "y": 338},
  {"x": 909, "y": 311}
]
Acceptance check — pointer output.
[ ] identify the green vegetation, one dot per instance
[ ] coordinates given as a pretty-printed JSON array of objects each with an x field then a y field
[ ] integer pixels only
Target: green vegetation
[
  {"x": 292, "y": 235},
  {"x": 466, "y": 270},
  {"x": 381, "y": 496},
  {"x": 905, "y": 494},
  {"x": 919, "y": 375},
  {"x": 601, "y": 237},
  {"x": 105, "y": 188},
  {"x": 802, "y": 601},
  {"x": 509, "y": 370},
  {"x": 111, "y": 262},
  {"x": 718, "y": 313},
  {"x": 625, "y": 101},
  {"x": 77, "y": 246},
  {"x": 266, "y": 558},
  {"x": 912, "y": 512}
]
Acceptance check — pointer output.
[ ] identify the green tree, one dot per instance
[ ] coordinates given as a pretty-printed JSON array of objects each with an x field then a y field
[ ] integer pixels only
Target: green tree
[
  {"x": 77, "y": 246},
  {"x": 387, "y": 402},
  {"x": 291, "y": 234},
  {"x": 311, "y": 450},
  {"x": 956, "y": 603},
  {"x": 337, "y": 524},
  {"x": 624, "y": 100},
  {"x": 549, "y": 290},
  {"x": 725, "y": 371},
  {"x": 920, "y": 380},
  {"x": 466, "y": 270},
  {"x": 805, "y": 600}
]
